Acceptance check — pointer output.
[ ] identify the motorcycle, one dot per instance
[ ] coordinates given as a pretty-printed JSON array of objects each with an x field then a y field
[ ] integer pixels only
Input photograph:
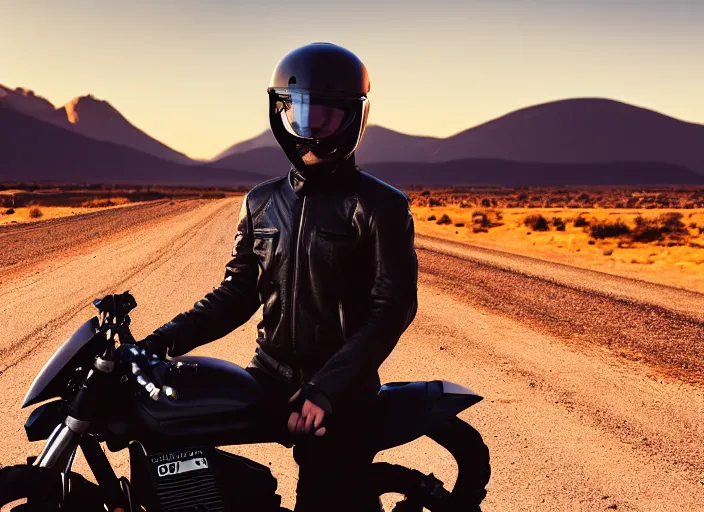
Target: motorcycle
[{"x": 173, "y": 414}]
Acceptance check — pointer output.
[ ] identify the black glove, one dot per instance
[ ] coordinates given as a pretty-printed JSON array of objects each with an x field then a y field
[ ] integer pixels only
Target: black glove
[{"x": 154, "y": 344}]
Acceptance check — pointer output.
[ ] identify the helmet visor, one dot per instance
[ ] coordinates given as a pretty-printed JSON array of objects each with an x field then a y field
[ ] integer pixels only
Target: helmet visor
[{"x": 313, "y": 117}]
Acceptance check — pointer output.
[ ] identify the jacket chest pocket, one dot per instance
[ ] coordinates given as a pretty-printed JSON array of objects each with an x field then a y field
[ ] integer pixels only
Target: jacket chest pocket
[
  {"x": 265, "y": 240},
  {"x": 334, "y": 245}
]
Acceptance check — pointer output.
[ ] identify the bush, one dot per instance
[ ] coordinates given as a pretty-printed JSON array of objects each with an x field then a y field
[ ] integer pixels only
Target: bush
[
  {"x": 432, "y": 217},
  {"x": 606, "y": 229},
  {"x": 672, "y": 223},
  {"x": 580, "y": 222},
  {"x": 558, "y": 223},
  {"x": 536, "y": 223},
  {"x": 459, "y": 224},
  {"x": 445, "y": 219},
  {"x": 652, "y": 230},
  {"x": 646, "y": 231},
  {"x": 9, "y": 211},
  {"x": 425, "y": 193},
  {"x": 35, "y": 212},
  {"x": 433, "y": 201}
]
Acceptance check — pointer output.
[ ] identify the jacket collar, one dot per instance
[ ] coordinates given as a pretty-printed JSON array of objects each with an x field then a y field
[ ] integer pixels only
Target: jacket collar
[{"x": 323, "y": 181}]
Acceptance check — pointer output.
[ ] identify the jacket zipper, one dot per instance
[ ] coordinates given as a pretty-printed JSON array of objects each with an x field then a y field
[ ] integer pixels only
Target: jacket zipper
[
  {"x": 295, "y": 282},
  {"x": 342, "y": 318}
]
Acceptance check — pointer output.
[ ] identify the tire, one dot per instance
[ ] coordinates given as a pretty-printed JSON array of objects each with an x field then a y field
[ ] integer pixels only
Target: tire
[
  {"x": 427, "y": 492},
  {"x": 41, "y": 490},
  {"x": 420, "y": 491}
]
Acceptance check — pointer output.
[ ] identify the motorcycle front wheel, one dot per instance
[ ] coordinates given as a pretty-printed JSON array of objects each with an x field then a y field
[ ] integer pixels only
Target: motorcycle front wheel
[{"x": 25, "y": 488}]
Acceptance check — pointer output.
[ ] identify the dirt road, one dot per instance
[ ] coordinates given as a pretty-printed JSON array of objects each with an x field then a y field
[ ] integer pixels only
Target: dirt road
[{"x": 592, "y": 384}]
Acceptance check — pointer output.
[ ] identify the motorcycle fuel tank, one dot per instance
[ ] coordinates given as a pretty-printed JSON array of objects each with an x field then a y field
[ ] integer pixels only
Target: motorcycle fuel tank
[{"x": 217, "y": 403}]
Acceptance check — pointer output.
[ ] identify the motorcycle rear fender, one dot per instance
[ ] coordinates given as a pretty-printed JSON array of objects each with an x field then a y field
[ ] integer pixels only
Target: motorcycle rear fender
[{"x": 409, "y": 410}]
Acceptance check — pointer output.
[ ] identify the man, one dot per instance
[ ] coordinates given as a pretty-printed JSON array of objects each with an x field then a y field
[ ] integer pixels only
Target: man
[{"x": 328, "y": 250}]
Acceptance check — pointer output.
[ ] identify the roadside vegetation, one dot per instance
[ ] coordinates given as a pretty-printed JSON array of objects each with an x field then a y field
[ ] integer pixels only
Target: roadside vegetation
[
  {"x": 31, "y": 202},
  {"x": 653, "y": 232}
]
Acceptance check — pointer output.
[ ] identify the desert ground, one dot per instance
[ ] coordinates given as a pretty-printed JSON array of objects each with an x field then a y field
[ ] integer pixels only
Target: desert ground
[
  {"x": 655, "y": 235},
  {"x": 593, "y": 383}
]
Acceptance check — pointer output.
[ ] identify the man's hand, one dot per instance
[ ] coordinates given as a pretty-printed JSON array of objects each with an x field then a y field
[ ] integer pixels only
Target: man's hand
[{"x": 310, "y": 417}]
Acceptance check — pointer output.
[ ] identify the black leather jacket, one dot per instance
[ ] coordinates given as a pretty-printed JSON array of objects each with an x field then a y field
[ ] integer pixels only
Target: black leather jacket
[{"x": 333, "y": 263}]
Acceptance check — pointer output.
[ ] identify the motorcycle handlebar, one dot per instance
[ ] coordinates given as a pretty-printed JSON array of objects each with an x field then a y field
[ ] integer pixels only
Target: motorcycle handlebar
[{"x": 137, "y": 365}]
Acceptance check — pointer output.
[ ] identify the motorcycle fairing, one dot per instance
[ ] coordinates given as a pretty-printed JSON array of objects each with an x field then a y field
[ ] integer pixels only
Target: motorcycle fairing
[
  {"x": 43, "y": 420},
  {"x": 55, "y": 374}
]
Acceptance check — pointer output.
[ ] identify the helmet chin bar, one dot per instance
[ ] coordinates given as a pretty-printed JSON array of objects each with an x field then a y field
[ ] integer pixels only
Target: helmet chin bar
[{"x": 339, "y": 146}]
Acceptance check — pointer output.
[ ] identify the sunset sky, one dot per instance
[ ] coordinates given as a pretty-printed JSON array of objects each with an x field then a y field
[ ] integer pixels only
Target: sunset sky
[{"x": 193, "y": 74}]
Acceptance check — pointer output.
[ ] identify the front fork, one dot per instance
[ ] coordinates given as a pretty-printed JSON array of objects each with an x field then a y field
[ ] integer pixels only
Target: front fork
[{"x": 60, "y": 449}]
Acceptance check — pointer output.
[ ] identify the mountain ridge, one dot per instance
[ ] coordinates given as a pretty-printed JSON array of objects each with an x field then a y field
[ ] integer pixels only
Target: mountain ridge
[
  {"x": 91, "y": 117},
  {"x": 576, "y": 130},
  {"x": 591, "y": 131}
]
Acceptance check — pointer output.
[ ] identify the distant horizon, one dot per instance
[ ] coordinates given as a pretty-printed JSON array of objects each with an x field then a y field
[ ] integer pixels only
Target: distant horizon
[{"x": 267, "y": 128}]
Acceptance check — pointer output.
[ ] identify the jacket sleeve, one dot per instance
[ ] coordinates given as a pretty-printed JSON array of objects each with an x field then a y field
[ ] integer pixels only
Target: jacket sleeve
[
  {"x": 394, "y": 301},
  {"x": 224, "y": 308}
]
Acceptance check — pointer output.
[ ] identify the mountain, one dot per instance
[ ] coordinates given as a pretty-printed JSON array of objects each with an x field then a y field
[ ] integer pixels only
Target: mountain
[
  {"x": 90, "y": 117},
  {"x": 516, "y": 174},
  {"x": 34, "y": 150},
  {"x": 24, "y": 100},
  {"x": 581, "y": 130},
  {"x": 98, "y": 119},
  {"x": 270, "y": 161},
  {"x": 475, "y": 171},
  {"x": 575, "y": 141},
  {"x": 379, "y": 145},
  {"x": 383, "y": 145},
  {"x": 263, "y": 140}
]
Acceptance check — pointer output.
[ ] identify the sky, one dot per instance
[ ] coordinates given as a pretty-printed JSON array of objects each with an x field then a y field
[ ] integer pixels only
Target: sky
[{"x": 194, "y": 73}]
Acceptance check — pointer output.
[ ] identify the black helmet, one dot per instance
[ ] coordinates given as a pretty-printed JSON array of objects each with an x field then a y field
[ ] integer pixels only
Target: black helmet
[{"x": 318, "y": 104}]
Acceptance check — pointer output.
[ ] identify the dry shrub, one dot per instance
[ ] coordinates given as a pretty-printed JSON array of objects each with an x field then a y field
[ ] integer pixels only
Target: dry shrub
[
  {"x": 445, "y": 219},
  {"x": 9, "y": 211},
  {"x": 486, "y": 219},
  {"x": 35, "y": 212},
  {"x": 558, "y": 223},
  {"x": 459, "y": 224},
  {"x": 104, "y": 202},
  {"x": 656, "y": 230},
  {"x": 581, "y": 222},
  {"x": 432, "y": 217},
  {"x": 536, "y": 222},
  {"x": 672, "y": 224},
  {"x": 606, "y": 229},
  {"x": 434, "y": 201}
]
